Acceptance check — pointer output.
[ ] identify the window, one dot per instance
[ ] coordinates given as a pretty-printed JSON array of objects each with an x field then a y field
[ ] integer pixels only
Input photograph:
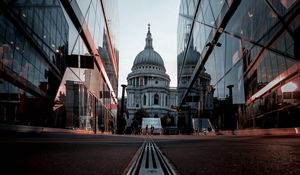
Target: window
[
  {"x": 156, "y": 98},
  {"x": 144, "y": 100},
  {"x": 166, "y": 100},
  {"x": 141, "y": 82}
]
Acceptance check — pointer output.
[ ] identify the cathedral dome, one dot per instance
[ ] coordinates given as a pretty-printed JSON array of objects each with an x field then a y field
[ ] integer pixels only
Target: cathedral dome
[
  {"x": 148, "y": 56},
  {"x": 192, "y": 57}
]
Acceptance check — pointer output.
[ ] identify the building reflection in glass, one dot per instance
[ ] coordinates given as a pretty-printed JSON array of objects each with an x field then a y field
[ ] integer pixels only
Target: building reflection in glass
[
  {"x": 51, "y": 72},
  {"x": 33, "y": 46},
  {"x": 257, "y": 54},
  {"x": 90, "y": 82}
]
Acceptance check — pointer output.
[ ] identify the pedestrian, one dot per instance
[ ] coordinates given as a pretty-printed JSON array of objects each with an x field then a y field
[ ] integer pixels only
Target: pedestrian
[
  {"x": 146, "y": 129},
  {"x": 152, "y": 129}
]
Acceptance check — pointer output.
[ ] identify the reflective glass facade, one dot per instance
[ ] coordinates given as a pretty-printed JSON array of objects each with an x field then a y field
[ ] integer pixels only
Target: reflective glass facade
[
  {"x": 33, "y": 47},
  {"x": 251, "y": 45},
  {"x": 83, "y": 38}
]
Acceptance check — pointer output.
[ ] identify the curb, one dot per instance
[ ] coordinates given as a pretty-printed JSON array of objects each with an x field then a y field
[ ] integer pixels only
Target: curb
[{"x": 38, "y": 129}]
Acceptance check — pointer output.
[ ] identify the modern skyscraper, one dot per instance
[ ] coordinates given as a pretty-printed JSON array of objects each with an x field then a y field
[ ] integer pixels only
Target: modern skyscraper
[
  {"x": 33, "y": 48},
  {"x": 249, "y": 48},
  {"x": 53, "y": 52}
]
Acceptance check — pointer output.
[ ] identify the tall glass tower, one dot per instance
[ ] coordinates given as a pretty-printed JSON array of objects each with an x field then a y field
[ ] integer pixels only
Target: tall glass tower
[
  {"x": 59, "y": 63},
  {"x": 250, "y": 49}
]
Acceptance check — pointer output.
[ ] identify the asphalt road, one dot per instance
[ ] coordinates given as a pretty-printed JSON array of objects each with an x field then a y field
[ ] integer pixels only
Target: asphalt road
[
  {"x": 67, "y": 154},
  {"x": 49, "y": 153},
  {"x": 232, "y": 154}
]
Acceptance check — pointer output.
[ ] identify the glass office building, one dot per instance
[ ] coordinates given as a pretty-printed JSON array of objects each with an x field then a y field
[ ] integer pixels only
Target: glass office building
[
  {"x": 33, "y": 47},
  {"x": 250, "y": 49},
  {"x": 59, "y": 63}
]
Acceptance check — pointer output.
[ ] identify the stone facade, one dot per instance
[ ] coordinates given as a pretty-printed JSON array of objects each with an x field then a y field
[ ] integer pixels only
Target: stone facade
[{"x": 149, "y": 85}]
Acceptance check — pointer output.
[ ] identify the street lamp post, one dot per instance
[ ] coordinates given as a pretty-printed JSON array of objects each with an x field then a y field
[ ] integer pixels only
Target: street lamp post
[
  {"x": 95, "y": 113},
  {"x": 231, "y": 110},
  {"x": 122, "y": 109}
]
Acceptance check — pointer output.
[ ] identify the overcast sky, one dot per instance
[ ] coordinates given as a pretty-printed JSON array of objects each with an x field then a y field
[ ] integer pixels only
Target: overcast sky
[{"x": 134, "y": 17}]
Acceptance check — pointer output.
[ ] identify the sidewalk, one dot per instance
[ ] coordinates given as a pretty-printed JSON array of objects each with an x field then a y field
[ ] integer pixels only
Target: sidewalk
[
  {"x": 241, "y": 132},
  {"x": 38, "y": 129},
  {"x": 272, "y": 131},
  {"x": 253, "y": 132}
]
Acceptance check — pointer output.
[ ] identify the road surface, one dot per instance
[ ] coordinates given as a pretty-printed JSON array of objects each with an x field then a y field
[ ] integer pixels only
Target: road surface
[{"x": 62, "y": 153}]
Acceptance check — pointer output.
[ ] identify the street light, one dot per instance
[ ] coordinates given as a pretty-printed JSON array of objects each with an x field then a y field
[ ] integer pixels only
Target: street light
[
  {"x": 231, "y": 111},
  {"x": 213, "y": 42},
  {"x": 122, "y": 108}
]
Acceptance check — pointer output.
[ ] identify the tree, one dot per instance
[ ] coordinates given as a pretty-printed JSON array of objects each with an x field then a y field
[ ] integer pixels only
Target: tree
[
  {"x": 167, "y": 120},
  {"x": 140, "y": 114}
]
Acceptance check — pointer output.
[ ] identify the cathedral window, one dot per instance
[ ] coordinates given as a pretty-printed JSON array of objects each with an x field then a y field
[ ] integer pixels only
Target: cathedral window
[
  {"x": 166, "y": 100},
  {"x": 156, "y": 99},
  {"x": 141, "y": 82},
  {"x": 145, "y": 100}
]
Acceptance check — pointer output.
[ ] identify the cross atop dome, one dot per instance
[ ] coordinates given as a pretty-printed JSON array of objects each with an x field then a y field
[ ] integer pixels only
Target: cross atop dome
[{"x": 149, "y": 27}]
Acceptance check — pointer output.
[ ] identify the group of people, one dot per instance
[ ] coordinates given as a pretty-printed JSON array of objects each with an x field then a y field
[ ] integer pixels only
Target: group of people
[{"x": 151, "y": 130}]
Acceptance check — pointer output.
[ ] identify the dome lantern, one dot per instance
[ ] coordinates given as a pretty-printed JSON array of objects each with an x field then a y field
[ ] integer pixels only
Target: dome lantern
[
  {"x": 149, "y": 39},
  {"x": 148, "y": 56}
]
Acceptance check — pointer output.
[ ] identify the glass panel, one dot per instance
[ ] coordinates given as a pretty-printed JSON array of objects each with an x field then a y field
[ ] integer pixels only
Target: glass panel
[
  {"x": 219, "y": 53},
  {"x": 84, "y": 6},
  {"x": 188, "y": 8},
  {"x": 282, "y": 6},
  {"x": 248, "y": 16},
  {"x": 221, "y": 89},
  {"x": 17, "y": 62},
  {"x": 209, "y": 19},
  {"x": 24, "y": 70},
  {"x": 232, "y": 51},
  {"x": 7, "y": 56},
  {"x": 216, "y": 6},
  {"x": 210, "y": 67}
]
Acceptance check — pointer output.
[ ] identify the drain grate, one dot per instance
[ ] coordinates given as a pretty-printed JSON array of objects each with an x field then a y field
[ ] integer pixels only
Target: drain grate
[{"x": 150, "y": 160}]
